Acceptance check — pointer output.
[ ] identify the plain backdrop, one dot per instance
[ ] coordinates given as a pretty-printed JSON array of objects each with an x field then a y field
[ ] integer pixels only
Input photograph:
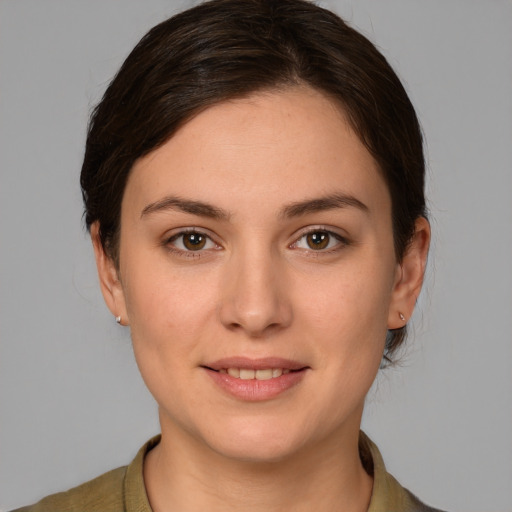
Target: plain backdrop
[{"x": 72, "y": 404}]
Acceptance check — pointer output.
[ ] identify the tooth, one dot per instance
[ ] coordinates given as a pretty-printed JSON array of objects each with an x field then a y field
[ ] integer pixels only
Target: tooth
[
  {"x": 285, "y": 372},
  {"x": 246, "y": 374},
  {"x": 277, "y": 372},
  {"x": 223, "y": 370},
  {"x": 234, "y": 372},
  {"x": 264, "y": 374}
]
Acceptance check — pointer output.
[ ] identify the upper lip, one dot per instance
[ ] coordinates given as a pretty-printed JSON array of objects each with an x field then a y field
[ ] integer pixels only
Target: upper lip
[{"x": 255, "y": 364}]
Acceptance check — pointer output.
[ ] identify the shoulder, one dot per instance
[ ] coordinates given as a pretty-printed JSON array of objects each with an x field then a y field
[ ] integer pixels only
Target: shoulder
[
  {"x": 412, "y": 504},
  {"x": 102, "y": 494},
  {"x": 387, "y": 495},
  {"x": 116, "y": 491}
]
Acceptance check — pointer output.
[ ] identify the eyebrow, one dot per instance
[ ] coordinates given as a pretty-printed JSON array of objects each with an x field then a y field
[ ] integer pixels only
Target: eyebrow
[
  {"x": 186, "y": 205},
  {"x": 297, "y": 209},
  {"x": 329, "y": 202}
]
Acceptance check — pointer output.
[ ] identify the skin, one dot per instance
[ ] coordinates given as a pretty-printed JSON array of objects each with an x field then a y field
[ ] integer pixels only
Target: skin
[{"x": 257, "y": 289}]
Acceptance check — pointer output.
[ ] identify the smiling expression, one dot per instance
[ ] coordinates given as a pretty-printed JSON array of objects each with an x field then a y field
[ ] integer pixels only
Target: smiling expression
[{"x": 258, "y": 276}]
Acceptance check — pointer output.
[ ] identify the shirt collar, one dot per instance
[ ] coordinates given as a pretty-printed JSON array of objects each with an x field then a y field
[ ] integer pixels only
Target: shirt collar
[{"x": 387, "y": 493}]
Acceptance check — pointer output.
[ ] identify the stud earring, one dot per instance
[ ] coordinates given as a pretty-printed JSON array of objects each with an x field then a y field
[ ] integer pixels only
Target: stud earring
[
  {"x": 401, "y": 315},
  {"x": 118, "y": 319}
]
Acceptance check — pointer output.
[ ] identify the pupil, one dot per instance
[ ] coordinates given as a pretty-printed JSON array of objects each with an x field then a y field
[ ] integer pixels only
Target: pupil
[
  {"x": 318, "y": 240},
  {"x": 194, "y": 241}
]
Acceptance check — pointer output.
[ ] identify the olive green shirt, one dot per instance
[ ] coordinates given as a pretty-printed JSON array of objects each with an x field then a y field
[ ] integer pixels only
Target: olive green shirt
[{"x": 122, "y": 489}]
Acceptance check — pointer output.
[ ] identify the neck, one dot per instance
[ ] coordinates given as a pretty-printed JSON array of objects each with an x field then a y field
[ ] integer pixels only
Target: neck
[{"x": 183, "y": 474}]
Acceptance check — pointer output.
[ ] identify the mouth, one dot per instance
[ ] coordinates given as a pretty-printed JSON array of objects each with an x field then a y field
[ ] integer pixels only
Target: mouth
[
  {"x": 256, "y": 379},
  {"x": 251, "y": 373}
]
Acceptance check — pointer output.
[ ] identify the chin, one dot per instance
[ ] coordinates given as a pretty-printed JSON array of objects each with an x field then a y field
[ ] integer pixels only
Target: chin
[
  {"x": 256, "y": 441},
  {"x": 260, "y": 451}
]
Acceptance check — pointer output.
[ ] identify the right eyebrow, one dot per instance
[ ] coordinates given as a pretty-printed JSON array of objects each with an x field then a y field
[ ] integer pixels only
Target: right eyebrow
[{"x": 185, "y": 205}]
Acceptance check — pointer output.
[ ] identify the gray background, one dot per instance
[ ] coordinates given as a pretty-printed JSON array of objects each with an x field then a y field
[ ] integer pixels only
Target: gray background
[{"x": 71, "y": 402}]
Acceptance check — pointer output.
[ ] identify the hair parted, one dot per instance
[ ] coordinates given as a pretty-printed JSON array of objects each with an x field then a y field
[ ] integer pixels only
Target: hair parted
[{"x": 226, "y": 49}]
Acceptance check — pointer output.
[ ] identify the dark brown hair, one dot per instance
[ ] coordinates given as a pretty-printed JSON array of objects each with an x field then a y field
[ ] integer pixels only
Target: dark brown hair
[{"x": 225, "y": 49}]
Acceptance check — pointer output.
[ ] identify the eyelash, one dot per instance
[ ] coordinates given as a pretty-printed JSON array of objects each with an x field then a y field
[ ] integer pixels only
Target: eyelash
[
  {"x": 169, "y": 243},
  {"x": 333, "y": 236}
]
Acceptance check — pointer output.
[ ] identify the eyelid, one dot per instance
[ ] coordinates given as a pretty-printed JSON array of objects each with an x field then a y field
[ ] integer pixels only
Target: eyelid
[
  {"x": 343, "y": 241},
  {"x": 176, "y": 233}
]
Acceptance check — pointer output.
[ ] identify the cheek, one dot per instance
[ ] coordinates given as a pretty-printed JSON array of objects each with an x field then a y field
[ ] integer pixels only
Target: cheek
[
  {"x": 165, "y": 305},
  {"x": 348, "y": 312},
  {"x": 169, "y": 313},
  {"x": 350, "y": 299}
]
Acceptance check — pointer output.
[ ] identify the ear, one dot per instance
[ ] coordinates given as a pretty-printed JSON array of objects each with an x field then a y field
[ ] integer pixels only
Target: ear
[
  {"x": 110, "y": 284},
  {"x": 409, "y": 277}
]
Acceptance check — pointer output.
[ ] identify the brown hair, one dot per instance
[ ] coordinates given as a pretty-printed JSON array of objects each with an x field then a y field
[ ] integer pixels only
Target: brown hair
[{"x": 224, "y": 49}]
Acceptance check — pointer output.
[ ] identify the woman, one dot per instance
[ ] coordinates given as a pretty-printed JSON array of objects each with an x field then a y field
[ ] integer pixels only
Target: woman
[{"x": 253, "y": 185}]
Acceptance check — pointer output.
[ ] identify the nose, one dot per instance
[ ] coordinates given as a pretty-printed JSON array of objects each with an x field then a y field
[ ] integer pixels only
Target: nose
[{"x": 255, "y": 299}]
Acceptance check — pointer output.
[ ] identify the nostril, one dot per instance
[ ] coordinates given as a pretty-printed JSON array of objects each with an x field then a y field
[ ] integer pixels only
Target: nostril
[
  {"x": 257, "y": 307},
  {"x": 256, "y": 330}
]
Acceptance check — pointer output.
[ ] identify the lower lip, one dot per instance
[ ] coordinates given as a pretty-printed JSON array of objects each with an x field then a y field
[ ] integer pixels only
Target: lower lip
[{"x": 254, "y": 390}]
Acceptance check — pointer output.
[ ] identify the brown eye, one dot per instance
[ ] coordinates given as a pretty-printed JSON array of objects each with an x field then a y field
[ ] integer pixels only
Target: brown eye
[
  {"x": 318, "y": 240},
  {"x": 191, "y": 243},
  {"x": 321, "y": 241},
  {"x": 194, "y": 241}
]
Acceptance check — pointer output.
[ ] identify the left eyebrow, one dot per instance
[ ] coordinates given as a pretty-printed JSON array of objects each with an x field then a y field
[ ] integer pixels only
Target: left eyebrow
[{"x": 329, "y": 202}]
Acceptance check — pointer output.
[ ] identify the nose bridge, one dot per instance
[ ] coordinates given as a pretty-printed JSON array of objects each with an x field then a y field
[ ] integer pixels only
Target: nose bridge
[{"x": 254, "y": 298}]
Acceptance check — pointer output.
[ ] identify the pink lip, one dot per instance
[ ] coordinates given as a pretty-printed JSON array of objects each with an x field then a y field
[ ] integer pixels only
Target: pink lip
[
  {"x": 254, "y": 390},
  {"x": 255, "y": 364}
]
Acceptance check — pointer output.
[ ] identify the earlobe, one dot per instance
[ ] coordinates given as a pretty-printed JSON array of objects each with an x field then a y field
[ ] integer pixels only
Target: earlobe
[
  {"x": 110, "y": 284},
  {"x": 410, "y": 276}
]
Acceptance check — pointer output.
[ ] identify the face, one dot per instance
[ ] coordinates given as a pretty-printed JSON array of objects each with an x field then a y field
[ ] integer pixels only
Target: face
[{"x": 258, "y": 276}]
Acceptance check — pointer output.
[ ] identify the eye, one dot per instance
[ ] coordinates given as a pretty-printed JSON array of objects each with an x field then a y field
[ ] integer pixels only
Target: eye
[
  {"x": 319, "y": 240},
  {"x": 192, "y": 241}
]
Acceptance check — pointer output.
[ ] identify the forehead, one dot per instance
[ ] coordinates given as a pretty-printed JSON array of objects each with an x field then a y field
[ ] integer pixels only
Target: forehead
[{"x": 271, "y": 147}]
